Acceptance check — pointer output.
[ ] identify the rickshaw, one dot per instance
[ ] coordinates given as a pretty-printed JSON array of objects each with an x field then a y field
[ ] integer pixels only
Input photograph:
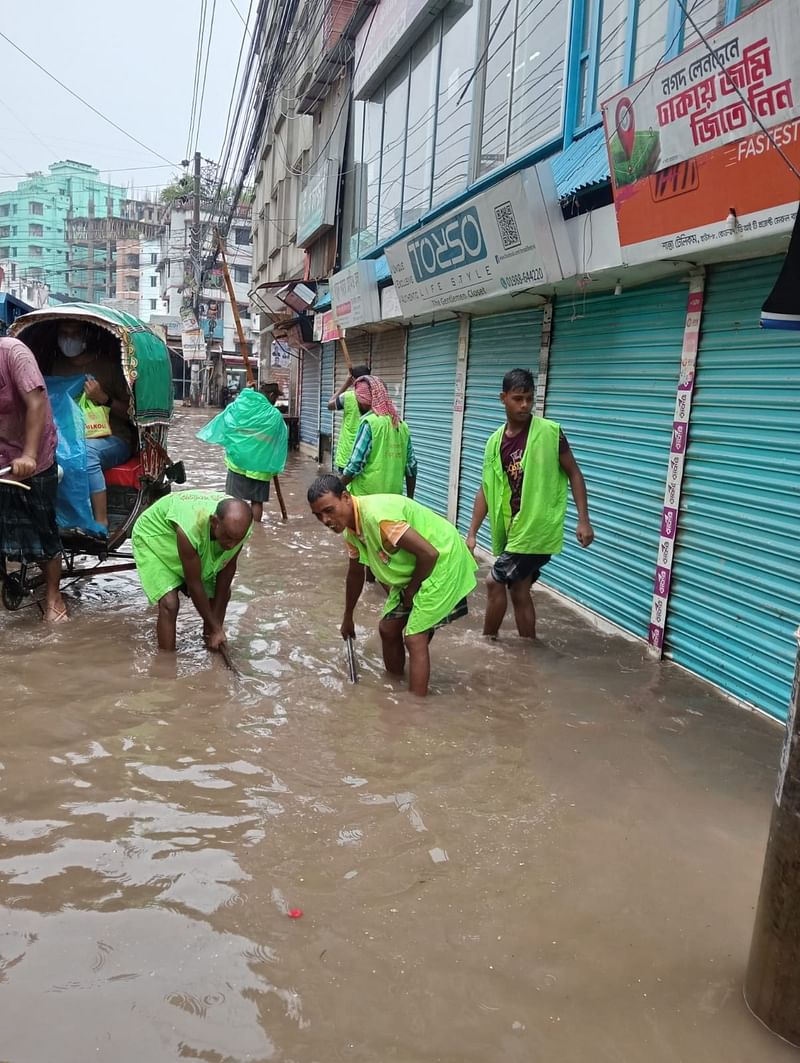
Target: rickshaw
[{"x": 140, "y": 481}]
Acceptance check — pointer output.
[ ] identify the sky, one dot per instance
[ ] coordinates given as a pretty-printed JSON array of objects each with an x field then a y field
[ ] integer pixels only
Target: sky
[{"x": 134, "y": 60}]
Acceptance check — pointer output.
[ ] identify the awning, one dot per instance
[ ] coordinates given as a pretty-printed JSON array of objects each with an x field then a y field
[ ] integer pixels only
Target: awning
[{"x": 584, "y": 164}]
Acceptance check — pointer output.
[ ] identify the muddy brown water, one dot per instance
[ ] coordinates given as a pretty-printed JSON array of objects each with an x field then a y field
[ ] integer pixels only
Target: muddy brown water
[{"x": 556, "y": 857}]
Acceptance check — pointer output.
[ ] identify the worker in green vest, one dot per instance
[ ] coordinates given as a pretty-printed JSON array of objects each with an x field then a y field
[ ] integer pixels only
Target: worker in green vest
[
  {"x": 190, "y": 541},
  {"x": 345, "y": 401},
  {"x": 418, "y": 555},
  {"x": 382, "y": 456},
  {"x": 526, "y": 465}
]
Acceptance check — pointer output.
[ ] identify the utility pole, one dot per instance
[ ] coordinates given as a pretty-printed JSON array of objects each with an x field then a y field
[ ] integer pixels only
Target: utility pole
[
  {"x": 194, "y": 387},
  {"x": 772, "y": 985}
]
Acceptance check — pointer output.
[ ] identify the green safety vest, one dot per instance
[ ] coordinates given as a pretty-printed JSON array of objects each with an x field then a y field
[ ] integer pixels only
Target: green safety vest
[
  {"x": 453, "y": 576},
  {"x": 351, "y": 416},
  {"x": 538, "y": 528},
  {"x": 385, "y": 470},
  {"x": 155, "y": 542}
]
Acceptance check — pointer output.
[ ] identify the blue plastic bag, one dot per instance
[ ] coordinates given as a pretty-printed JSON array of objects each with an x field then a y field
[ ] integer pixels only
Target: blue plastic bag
[{"x": 73, "y": 505}]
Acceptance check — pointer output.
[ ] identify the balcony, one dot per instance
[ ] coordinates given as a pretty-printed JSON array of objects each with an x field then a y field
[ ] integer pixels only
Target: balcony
[{"x": 327, "y": 53}]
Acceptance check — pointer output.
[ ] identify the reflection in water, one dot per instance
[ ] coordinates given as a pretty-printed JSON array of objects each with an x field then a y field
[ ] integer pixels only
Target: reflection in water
[{"x": 518, "y": 869}]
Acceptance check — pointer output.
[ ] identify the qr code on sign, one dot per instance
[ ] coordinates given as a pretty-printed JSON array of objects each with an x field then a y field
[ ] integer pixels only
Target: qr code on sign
[{"x": 507, "y": 226}]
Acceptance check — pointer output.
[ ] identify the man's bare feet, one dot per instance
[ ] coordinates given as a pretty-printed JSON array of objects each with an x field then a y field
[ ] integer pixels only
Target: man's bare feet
[{"x": 56, "y": 612}]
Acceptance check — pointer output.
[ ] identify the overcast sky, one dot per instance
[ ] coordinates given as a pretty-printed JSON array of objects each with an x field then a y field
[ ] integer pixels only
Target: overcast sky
[{"x": 133, "y": 60}]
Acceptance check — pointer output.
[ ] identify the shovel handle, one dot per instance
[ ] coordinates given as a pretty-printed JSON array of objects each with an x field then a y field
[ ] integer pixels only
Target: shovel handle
[{"x": 279, "y": 496}]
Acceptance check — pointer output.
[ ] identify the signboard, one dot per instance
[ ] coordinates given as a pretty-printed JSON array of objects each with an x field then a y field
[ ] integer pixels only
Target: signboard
[
  {"x": 385, "y": 35},
  {"x": 685, "y": 146},
  {"x": 354, "y": 295},
  {"x": 504, "y": 240},
  {"x": 280, "y": 355},
  {"x": 316, "y": 209},
  {"x": 325, "y": 330},
  {"x": 193, "y": 346},
  {"x": 390, "y": 304}
]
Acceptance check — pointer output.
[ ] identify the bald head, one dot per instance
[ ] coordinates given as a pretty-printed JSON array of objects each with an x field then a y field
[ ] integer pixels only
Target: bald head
[{"x": 231, "y": 522}]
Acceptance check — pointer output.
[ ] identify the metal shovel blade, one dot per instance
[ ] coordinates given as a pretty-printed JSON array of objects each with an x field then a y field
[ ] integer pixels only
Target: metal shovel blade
[{"x": 352, "y": 663}]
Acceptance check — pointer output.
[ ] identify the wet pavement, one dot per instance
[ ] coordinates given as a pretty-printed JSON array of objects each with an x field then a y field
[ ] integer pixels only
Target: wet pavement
[{"x": 556, "y": 857}]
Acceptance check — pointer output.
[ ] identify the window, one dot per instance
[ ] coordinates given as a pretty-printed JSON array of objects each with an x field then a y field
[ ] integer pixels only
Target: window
[
  {"x": 421, "y": 125},
  {"x": 5, "y": 210},
  {"x": 35, "y": 230},
  {"x": 241, "y": 236},
  {"x": 4, "y": 252},
  {"x": 241, "y": 274},
  {"x": 453, "y": 117},
  {"x": 35, "y": 251},
  {"x": 651, "y": 36},
  {"x": 494, "y": 125},
  {"x": 154, "y": 282},
  {"x": 5, "y": 230},
  {"x": 395, "y": 111},
  {"x": 154, "y": 304},
  {"x": 537, "y": 75},
  {"x": 153, "y": 258},
  {"x": 36, "y": 208},
  {"x": 707, "y": 15},
  {"x": 132, "y": 261}
]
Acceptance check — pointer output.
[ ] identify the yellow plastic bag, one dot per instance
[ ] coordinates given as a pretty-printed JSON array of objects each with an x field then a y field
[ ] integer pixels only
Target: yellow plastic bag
[{"x": 95, "y": 418}]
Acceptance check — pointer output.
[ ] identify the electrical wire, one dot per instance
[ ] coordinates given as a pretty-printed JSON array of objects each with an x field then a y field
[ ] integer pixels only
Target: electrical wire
[
  {"x": 205, "y": 74},
  {"x": 86, "y": 103},
  {"x": 196, "y": 81}
]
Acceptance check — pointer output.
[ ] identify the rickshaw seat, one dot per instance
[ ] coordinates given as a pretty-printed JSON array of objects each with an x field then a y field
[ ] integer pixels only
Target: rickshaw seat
[{"x": 126, "y": 475}]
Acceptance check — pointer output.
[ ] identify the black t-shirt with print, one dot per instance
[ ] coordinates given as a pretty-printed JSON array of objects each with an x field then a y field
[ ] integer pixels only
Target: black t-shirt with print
[{"x": 512, "y": 449}]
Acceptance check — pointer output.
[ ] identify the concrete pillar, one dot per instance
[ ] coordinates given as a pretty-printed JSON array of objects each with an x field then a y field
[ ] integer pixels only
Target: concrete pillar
[{"x": 772, "y": 985}]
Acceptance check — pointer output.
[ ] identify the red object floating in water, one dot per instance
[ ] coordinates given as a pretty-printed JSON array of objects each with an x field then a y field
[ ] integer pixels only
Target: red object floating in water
[{"x": 295, "y": 913}]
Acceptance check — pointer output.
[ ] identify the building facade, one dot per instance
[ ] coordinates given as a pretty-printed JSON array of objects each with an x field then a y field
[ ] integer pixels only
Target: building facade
[{"x": 602, "y": 192}]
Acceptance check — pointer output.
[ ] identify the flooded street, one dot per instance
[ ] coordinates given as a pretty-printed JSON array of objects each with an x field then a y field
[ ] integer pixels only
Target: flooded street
[{"x": 556, "y": 857}]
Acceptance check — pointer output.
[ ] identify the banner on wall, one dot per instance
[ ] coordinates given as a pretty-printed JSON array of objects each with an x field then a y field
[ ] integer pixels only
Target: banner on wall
[
  {"x": 691, "y": 166},
  {"x": 507, "y": 239}
]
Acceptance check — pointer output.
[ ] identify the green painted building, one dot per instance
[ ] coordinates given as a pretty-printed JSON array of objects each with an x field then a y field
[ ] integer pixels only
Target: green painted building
[{"x": 33, "y": 229}]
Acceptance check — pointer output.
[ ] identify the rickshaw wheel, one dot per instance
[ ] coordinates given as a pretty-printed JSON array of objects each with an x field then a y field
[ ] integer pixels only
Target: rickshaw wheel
[{"x": 13, "y": 591}]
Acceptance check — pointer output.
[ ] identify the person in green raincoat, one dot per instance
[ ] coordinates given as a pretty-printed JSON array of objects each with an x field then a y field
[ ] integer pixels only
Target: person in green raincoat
[
  {"x": 416, "y": 554},
  {"x": 256, "y": 441},
  {"x": 190, "y": 541}
]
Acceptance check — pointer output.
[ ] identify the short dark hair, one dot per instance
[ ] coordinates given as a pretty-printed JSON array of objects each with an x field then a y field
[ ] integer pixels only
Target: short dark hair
[
  {"x": 359, "y": 370},
  {"x": 518, "y": 380},
  {"x": 324, "y": 485}
]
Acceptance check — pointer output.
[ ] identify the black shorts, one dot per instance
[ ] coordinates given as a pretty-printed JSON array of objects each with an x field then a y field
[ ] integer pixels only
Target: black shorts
[
  {"x": 246, "y": 488},
  {"x": 513, "y": 568}
]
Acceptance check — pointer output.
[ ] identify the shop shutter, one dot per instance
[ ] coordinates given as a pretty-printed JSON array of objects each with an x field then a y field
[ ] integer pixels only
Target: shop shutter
[
  {"x": 388, "y": 361},
  {"x": 358, "y": 349},
  {"x": 326, "y": 388},
  {"x": 428, "y": 410},
  {"x": 735, "y": 594},
  {"x": 309, "y": 399},
  {"x": 614, "y": 366},
  {"x": 496, "y": 344}
]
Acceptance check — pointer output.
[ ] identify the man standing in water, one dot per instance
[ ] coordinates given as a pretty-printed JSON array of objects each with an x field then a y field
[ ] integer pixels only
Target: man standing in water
[
  {"x": 190, "y": 541},
  {"x": 345, "y": 401},
  {"x": 526, "y": 465},
  {"x": 28, "y": 530},
  {"x": 382, "y": 456},
  {"x": 414, "y": 552}
]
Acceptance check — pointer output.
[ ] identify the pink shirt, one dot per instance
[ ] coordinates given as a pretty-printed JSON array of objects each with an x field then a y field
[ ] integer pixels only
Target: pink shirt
[{"x": 20, "y": 374}]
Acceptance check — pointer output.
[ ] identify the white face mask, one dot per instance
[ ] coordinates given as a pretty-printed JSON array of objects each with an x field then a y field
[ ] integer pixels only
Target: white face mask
[{"x": 71, "y": 346}]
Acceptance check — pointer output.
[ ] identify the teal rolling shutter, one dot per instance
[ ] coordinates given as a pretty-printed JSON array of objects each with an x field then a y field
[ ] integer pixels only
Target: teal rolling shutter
[
  {"x": 309, "y": 399},
  {"x": 614, "y": 365},
  {"x": 496, "y": 344},
  {"x": 735, "y": 594},
  {"x": 326, "y": 389},
  {"x": 430, "y": 389}
]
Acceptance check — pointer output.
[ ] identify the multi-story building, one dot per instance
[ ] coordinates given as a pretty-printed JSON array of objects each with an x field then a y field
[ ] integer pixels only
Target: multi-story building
[
  {"x": 33, "y": 234},
  {"x": 150, "y": 301},
  {"x": 601, "y": 192}
]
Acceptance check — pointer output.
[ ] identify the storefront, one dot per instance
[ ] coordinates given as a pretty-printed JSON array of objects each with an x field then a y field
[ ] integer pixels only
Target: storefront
[{"x": 310, "y": 399}]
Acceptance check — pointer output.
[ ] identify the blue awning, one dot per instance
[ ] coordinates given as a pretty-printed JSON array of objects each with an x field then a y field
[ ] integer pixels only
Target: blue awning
[{"x": 583, "y": 164}]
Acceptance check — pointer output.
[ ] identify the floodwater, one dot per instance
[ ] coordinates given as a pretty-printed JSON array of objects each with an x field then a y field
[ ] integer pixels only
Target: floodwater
[{"x": 555, "y": 858}]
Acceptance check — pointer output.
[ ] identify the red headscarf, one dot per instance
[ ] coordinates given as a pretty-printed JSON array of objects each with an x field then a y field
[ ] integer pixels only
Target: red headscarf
[{"x": 372, "y": 389}]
